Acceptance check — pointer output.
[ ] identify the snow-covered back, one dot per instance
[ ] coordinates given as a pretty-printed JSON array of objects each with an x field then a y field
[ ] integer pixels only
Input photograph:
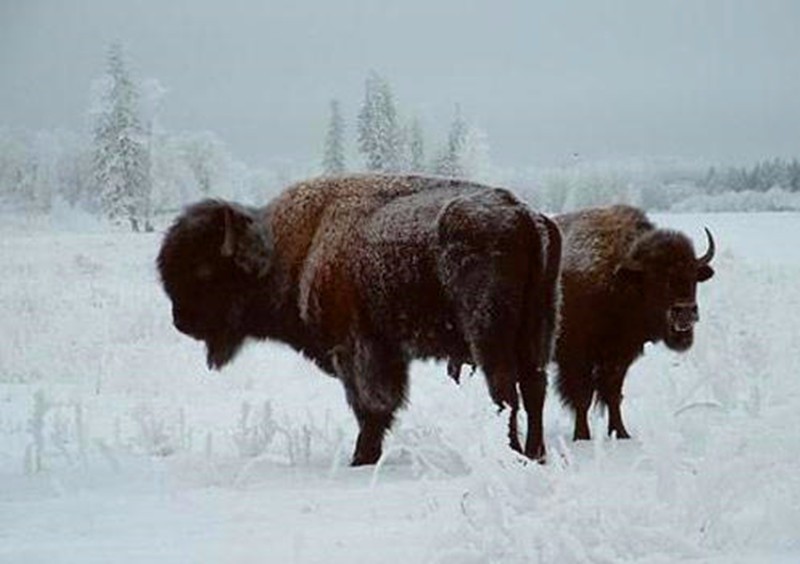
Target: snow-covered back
[{"x": 116, "y": 443}]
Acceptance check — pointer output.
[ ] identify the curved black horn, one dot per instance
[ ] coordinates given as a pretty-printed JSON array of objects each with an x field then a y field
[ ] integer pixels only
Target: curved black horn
[
  {"x": 229, "y": 244},
  {"x": 706, "y": 258}
]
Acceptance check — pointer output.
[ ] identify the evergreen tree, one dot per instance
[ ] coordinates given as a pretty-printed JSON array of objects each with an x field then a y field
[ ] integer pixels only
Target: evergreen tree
[
  {"x": 378, "y": 134},
  {"x": 474, "y": 159},
  {"x": 449, "y": 162},
  {"x": 121, "y": 157},
  {"x": 205, "y": 155},
  {"x": 738, "y": 179},
  {"x": 417, "y": 147},
  {"x": 333, "y": 162},
  {"x": 793, "y": 173},
  {"x": 403, "y": 149},
  {"x": 710, "y": 180}
]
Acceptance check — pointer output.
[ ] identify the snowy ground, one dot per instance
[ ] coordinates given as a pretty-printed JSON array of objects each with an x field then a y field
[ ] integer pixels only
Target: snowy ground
[{"x": 117, "y": 445}]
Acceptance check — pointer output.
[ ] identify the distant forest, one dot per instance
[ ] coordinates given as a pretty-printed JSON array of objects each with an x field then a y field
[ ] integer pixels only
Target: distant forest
[{"x": 130, "y": 169}]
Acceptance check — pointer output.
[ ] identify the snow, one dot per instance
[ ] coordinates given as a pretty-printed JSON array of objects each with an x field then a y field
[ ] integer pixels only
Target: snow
[{"x": 116, "y": 443}]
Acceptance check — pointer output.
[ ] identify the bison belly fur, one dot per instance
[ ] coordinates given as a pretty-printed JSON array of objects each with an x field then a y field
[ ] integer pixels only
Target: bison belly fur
[{"x": 362, "y": 274}]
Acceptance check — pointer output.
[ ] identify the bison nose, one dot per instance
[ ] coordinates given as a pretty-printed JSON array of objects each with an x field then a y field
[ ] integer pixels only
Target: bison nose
[{"x": 684, "y": 316}]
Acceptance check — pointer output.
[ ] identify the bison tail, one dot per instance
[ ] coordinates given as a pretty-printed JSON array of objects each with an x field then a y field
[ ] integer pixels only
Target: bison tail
[
  {"x": 552, "y": 298},
  {"x": 544, "y": 292}
]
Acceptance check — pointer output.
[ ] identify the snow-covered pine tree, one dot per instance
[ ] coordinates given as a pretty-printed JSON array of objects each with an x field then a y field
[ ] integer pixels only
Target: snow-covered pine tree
[
  {"x": 794, "y": 175},
  {"x": 449, "y": 162},
  {"x": 473, "y": 159},
  {"x": 205, "y": 156},
  {"x": 378, "y": 135},
  {"x": 417, "y": 147},
  {"x": 403, "y": 148},
  {"x": 121, "y": 159},
  {"x": 333, "y": 162}
]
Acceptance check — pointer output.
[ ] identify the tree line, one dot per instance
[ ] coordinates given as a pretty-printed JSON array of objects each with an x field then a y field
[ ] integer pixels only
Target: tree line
[
  {"x": 132, "y": 169},
  {"x": 387, "y": 143},
  {"x": 761, "y": 177}
]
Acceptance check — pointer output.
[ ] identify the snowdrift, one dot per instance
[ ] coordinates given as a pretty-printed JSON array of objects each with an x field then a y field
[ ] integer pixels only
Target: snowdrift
[{"x": 116, "y": 443}]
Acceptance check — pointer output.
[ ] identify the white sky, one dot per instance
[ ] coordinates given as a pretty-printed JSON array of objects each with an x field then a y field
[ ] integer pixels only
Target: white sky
[{"x": 717, "y": 79}]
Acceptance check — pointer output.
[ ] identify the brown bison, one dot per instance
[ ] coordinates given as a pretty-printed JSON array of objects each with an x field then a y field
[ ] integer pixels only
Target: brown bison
[
  {"x": 624, "y": 282},
  {"x": 364, "y": 273}
]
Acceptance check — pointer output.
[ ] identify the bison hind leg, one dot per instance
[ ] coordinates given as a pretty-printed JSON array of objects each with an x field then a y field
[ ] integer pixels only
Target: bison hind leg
[
  {"x": 533, "y": 385},
  {"x": 500, "y": 369},
  {"x": 375, "y": 378}
]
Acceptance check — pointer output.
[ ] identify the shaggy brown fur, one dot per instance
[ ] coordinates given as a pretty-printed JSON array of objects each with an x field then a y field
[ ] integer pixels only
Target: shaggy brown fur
[
  {"x": 364, "y": 273},
  {"x": 624, "y": 282}
]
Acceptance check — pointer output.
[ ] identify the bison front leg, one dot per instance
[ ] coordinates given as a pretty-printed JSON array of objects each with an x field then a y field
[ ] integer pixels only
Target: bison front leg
[
  {"x": 577, "y": 390},
  {"x": 371, "y": 429},
  {"x": 375, "y": 378},
  {"x": 581, "y": 405},
  {"x": 610, "y": 388}
]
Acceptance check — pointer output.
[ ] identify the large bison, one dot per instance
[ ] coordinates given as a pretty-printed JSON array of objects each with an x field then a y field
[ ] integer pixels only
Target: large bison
[
  {"x": 364, "y": 273},
  {"x": 624, "y": 282}
]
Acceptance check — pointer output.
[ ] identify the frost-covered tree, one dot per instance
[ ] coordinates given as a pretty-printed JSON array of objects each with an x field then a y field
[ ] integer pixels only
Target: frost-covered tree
[
  {"x": 449, "y": 162},
  {"x": 206, "y": 157},
  {"x": 416, "y": 146},
  {"x": 378, "y": 134},
  {"x": 36, "y": 167},
  {"x": 14, "y": 168},
  {"x": 121, "y": 152},
  {"x": 333, "y": 161},
  {"x": 473, "y": 159},
  {"x": 794, "y": 176},
  {"x": 404, "y": 148}
]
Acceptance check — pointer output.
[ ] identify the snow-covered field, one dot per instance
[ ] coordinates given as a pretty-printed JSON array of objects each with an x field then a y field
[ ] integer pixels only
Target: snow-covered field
[{"x": 117, "y": 445}]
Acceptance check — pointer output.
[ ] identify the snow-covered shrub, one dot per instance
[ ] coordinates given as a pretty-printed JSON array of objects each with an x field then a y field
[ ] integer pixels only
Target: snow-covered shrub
[
  {"x": 153, "y": 437},
  {"x": 709, "y": 471},
  {"x": 568, "y": 189},
  {"x": 255, "y": 432}
]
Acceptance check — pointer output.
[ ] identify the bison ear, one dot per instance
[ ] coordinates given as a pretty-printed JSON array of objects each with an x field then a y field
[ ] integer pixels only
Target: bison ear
[
  {"x": 246, "y": 240},
  {"x": 704, "y": 273},
  {"x": 235, "y": 226}
]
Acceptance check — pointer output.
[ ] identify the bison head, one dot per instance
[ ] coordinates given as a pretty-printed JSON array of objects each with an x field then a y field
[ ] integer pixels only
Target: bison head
[
  {"x": 212, "y": 262},
  {"x": 662, "y": 268}
]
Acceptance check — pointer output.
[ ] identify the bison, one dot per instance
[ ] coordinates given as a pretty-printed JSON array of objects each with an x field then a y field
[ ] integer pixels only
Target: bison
[
  {"x": 364, "y": 273},
  {"x": 624, "y": 282}
]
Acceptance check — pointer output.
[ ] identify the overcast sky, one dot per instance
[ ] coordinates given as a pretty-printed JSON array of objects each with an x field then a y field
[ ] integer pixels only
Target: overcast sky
[{"x": 715, "y": 79}]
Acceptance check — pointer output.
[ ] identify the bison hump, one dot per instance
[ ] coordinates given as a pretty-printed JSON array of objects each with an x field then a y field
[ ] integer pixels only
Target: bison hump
[{"x": 482, "y": 217}]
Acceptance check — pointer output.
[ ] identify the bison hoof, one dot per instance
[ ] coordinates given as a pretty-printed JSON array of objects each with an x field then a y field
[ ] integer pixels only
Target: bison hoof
[
  {"x": 536, "y": 453},
  {"x": 365, "y": 458},
  {"x": 619, "y": 434}
]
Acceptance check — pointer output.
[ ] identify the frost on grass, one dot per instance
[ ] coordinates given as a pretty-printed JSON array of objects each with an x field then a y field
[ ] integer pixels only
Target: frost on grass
[
  {"x": 109, "y": 422},
  {"x": 709, "y": 473}
]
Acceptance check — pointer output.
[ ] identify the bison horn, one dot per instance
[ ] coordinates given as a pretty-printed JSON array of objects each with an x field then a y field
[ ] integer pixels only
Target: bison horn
[
  {"x": 706, "y": 258},
  {"x": 229, "y": 244}
]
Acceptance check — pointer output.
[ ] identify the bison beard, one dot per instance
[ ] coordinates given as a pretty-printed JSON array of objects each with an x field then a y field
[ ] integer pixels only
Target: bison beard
[
  {"x": 624, "y": 283},
  {"x": 364, "y": 273}
]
